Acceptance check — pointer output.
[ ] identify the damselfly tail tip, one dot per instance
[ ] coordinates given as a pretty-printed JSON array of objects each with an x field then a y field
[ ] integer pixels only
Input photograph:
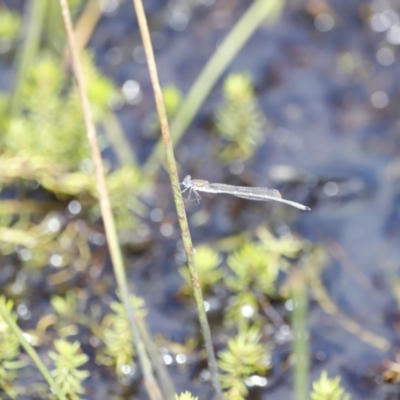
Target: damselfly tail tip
[{"x": 301, "y": 207}]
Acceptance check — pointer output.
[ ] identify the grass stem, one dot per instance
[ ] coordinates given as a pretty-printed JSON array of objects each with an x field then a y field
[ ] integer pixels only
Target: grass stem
[
  {"x": 298, "y": 285},
  {"x": 179, "y": 204},
  {"x": 108, "y": 219}
]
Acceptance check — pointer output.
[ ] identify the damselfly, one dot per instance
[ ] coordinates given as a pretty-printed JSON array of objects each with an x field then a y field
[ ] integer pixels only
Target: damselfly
[{"x": 249, "y": 193}]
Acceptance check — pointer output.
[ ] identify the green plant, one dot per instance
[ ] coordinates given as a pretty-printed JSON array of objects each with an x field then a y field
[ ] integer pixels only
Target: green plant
[
  {"x": 172, "y": 96},
  {"x": 51, "y": 126},
  {"x": 36, "y": 241},
  {"x": 207, "y": 261},
  {"x": 258, "y": 14},
  {"x": 46, "y": 242},
  {"x": 116, "y": 335},
  {"x": 243, "y": 357},
  {"x": 9, "y": 25},
  {"x": 67, "y": 360},
  {"x": 185, "y": 396},
  {"x": 253, "y": 268},
  {"x": 328, "y": 389},
  {"x": 33, "y": 134},
  {"x": 9, "y": 353},
  {"x": 124, "y": 186},
  {"x": 67, "y": 316},
  {"x": 243, "y": 309},
  {"x": 239, "y": 120},
  {"x": 65, "y": 306},
  {"x": 288, "y": 245}
]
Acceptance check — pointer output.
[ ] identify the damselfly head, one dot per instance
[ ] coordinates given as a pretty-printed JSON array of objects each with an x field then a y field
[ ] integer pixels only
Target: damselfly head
[{"x": 187, "y": 182}]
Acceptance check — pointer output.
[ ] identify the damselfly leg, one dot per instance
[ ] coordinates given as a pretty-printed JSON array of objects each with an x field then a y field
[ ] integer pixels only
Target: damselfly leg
[{"x": 190, "y": 188}]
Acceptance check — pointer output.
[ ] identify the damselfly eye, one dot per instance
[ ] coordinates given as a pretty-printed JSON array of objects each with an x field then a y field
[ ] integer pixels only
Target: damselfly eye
[{"x": 187, "y": 180}]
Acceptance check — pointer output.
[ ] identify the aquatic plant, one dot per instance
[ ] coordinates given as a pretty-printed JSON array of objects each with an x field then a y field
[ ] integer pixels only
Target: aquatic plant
[
  {"x": 9, "y": 353},
  {"x": 328, "y": 389},
  {"x": 254, "y": 273},
  {"x": 239, "y": 120},
  {"x": 207, "y": 261},
  {"x": 51, "y": 125},
  {"x": 67, "y": 361},
  {"x": 65, "y": 187},
  {"x": 65, "y": 306},
  {"x": 45, "y": 242},
  {"x": 244, "y": 356},
  {"x": 284, "y": 246},
  {"x": 258, "y": 14},
  {"x": 172, "y": 96},
  {"x": 185, "y": 396},
  {"x": 67, "y": 316},
  {"x": 46, "y": 143},
  {"x": 9, "y": 26},
  {"x": 125, "y": 186},
  {"x": 253, "y": 269},
  {"x": 114, "y": 331},
  {"x": 243, "y": 309}
]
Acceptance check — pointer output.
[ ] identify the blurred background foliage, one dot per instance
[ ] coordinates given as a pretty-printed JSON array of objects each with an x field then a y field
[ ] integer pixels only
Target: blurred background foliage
[
  {"x": 44, "y": 144},
  {"x": 9, "y": 28},
  {"x": 10, "y": 361},
  {"x": 239, "y": 120}
]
